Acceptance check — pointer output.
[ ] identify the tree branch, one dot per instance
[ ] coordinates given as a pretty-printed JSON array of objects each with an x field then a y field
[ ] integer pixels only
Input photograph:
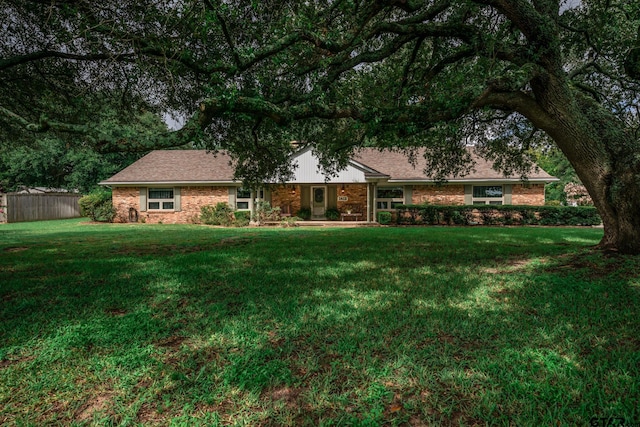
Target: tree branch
[{"x": 519, "y": 102}]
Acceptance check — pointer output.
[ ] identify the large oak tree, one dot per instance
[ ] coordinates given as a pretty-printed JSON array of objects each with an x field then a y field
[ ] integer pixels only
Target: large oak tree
[{"x": 248, "y": 76}]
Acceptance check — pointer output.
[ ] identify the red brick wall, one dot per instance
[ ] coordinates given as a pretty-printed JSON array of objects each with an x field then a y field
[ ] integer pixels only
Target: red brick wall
[
  {"x": 357, "y": 197},
  {"x": 192, "y": 199},
  {"x": 532, "y": 194},
  {"x": 281, "y": 196},
  {"x": 438, "y": 195},
  {"x": 124, "y": 198}
]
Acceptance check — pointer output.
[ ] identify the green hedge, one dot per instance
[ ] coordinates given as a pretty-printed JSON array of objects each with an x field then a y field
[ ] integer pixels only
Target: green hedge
[
  {"x": 384, "y": 217},
  {"x": 98, "y": 206},
  {"x": 496, "y": 215},
  {"x": 220, "y": 214}
]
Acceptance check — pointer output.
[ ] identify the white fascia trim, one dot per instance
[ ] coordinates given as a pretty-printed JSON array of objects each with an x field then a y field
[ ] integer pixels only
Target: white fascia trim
[
  {"x": 178, "y": 183},
  {"x": 476, "y": 181},
  {"x": 364, "y": 168}
]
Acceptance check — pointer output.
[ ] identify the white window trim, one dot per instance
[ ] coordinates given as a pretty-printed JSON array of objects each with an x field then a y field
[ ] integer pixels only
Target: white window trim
[
  {"x": 246, "y": 200},
  {"x": 161, "y": 201},
  {"x": 254, "y": 196}
]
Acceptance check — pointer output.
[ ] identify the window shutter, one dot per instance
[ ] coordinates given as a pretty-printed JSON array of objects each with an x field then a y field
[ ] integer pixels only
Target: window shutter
[
  {"x": 176, "y": 199},
  {"x": 507, "y": 194},
  {"x": 143, "y": 199},
  {"x": 408, "y": 194},
  {"x": 232, "y": 197},
  {"x": 468, "y": 194}
]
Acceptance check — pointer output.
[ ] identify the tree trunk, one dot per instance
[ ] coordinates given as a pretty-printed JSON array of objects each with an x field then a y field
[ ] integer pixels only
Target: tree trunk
[
  {"x": 603, "y": 156},
  {"x": 621, "y": 214}
]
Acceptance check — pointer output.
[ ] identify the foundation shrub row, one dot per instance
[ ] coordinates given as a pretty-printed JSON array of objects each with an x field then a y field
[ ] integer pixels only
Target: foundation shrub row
[{"x": 496, "y": 215}]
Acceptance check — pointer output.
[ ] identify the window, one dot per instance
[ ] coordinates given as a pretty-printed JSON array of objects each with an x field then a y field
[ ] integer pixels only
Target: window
[
  {"x": 243, "y": 198},
  {"x": 389, "y": 197},
  {"x": 487, "y": 194},
  {"x": 160, "y": 199}
]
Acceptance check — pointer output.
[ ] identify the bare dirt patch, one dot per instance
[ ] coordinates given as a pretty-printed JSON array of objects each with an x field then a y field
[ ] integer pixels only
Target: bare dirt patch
[
  {"x": 289, "y": 395},
  {"x": 148, "y": 415},
  {"x": 116, "y": 312},
  {"x": 174, "y": 342},
  {"x": 10, "y": 362},
  {"x": 15, "y": 249},
  {"x": 99, "y": 403},
  {"x": 595, "y": 267}
]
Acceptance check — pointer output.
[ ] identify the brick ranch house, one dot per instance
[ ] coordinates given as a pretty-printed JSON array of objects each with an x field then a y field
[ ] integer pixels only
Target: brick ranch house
[{"x": 172, "y": 185}]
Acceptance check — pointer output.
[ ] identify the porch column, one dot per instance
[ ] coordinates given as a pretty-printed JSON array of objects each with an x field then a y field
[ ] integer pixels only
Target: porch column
[
  {"x": 375, "y": 202},
  {"x": 368, "y": 202}
]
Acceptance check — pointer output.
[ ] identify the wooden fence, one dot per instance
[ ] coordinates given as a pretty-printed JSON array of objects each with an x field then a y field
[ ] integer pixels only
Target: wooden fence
[{"x": 35, "y": 207}]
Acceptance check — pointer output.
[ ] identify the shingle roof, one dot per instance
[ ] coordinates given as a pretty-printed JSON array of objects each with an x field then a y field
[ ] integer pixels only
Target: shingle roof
[
  {"x": 176, "y": 166},
  {"x": 200, "y": 166},
  {"x": 399, "y": 168}
]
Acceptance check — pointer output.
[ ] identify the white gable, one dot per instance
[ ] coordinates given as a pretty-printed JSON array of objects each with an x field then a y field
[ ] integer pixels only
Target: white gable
[{"x": 307, "y": 171}]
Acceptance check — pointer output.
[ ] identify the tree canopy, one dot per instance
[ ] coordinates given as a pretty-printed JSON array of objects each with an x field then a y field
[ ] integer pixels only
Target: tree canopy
[{"x": 505, "y": 75}]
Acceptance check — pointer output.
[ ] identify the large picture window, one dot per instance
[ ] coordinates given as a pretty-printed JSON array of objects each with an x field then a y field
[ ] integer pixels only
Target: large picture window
[
  {"x": 487, "y": 194},
  {"x": 389, "y": 197},
  {"x": 161, "y": 199}
]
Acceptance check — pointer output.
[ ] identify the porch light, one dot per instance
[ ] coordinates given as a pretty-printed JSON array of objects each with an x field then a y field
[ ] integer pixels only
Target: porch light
[
  {"x": 293, "y": 189},
  {"x": 342, "y": 189}
]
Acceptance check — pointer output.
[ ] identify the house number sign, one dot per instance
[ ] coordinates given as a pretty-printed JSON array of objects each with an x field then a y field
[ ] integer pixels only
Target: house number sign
[{"x": 343, "y": 198}]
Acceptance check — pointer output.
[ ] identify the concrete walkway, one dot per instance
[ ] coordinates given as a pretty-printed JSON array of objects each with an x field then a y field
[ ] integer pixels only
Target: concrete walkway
[
  {"x": 337, "y": 224},
  {"x": 330, "y": 223}
]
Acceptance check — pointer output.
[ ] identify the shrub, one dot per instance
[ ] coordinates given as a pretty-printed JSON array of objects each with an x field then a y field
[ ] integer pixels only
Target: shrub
[
  {"x": 289, "y": 221},
  {"x": 98, "y": 206},
  {"x": 304, "y": 214},
  {"x": 264, "y": 212},
  {"x": 242, "y": 218},
  {"x": 429, "y": 214},
  {"x": 384, "y": 217},
  {"x": 457, "y": 218},
  {"x": 220, "y": 214},
  {"x": 332, "y": 214},
  {"x": 497, "y": 214}
]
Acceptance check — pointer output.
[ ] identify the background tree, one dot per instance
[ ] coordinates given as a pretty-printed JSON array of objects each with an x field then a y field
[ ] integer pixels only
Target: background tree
[
  {"x": 555, "y": 163},
  {"x": 250, "y": 76},
  {"x": 53, "y": 163}
]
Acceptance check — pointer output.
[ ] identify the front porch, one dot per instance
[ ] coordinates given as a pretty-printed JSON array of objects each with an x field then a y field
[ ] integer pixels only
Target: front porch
[{"x": 326, "y": 202}]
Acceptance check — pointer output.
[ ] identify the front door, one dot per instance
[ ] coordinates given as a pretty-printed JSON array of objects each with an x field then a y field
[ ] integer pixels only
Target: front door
[{"x": 318, "y": 202}]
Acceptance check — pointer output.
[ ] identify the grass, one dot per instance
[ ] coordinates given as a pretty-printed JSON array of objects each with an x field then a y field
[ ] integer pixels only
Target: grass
[{"x": 193, "y": 325}]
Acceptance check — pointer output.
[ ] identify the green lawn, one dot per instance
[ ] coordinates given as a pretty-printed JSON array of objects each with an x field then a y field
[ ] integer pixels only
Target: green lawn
[{"x": 193, "y": 325}]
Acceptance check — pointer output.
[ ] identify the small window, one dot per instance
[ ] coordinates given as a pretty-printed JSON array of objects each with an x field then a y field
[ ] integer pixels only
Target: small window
[
  {"x": 389, "y": 197},
  {"x": 243, "y": 193},
  {"x": 161, "y": 199},
  {"x": 487, "y": 194},
  {"x": 243, "y": 199}
]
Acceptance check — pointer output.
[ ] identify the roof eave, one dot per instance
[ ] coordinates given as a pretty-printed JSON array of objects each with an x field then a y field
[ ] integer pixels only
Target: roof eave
[
  {"x": 472, "y": 180},
  {"x": 145, "y": 183}
]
